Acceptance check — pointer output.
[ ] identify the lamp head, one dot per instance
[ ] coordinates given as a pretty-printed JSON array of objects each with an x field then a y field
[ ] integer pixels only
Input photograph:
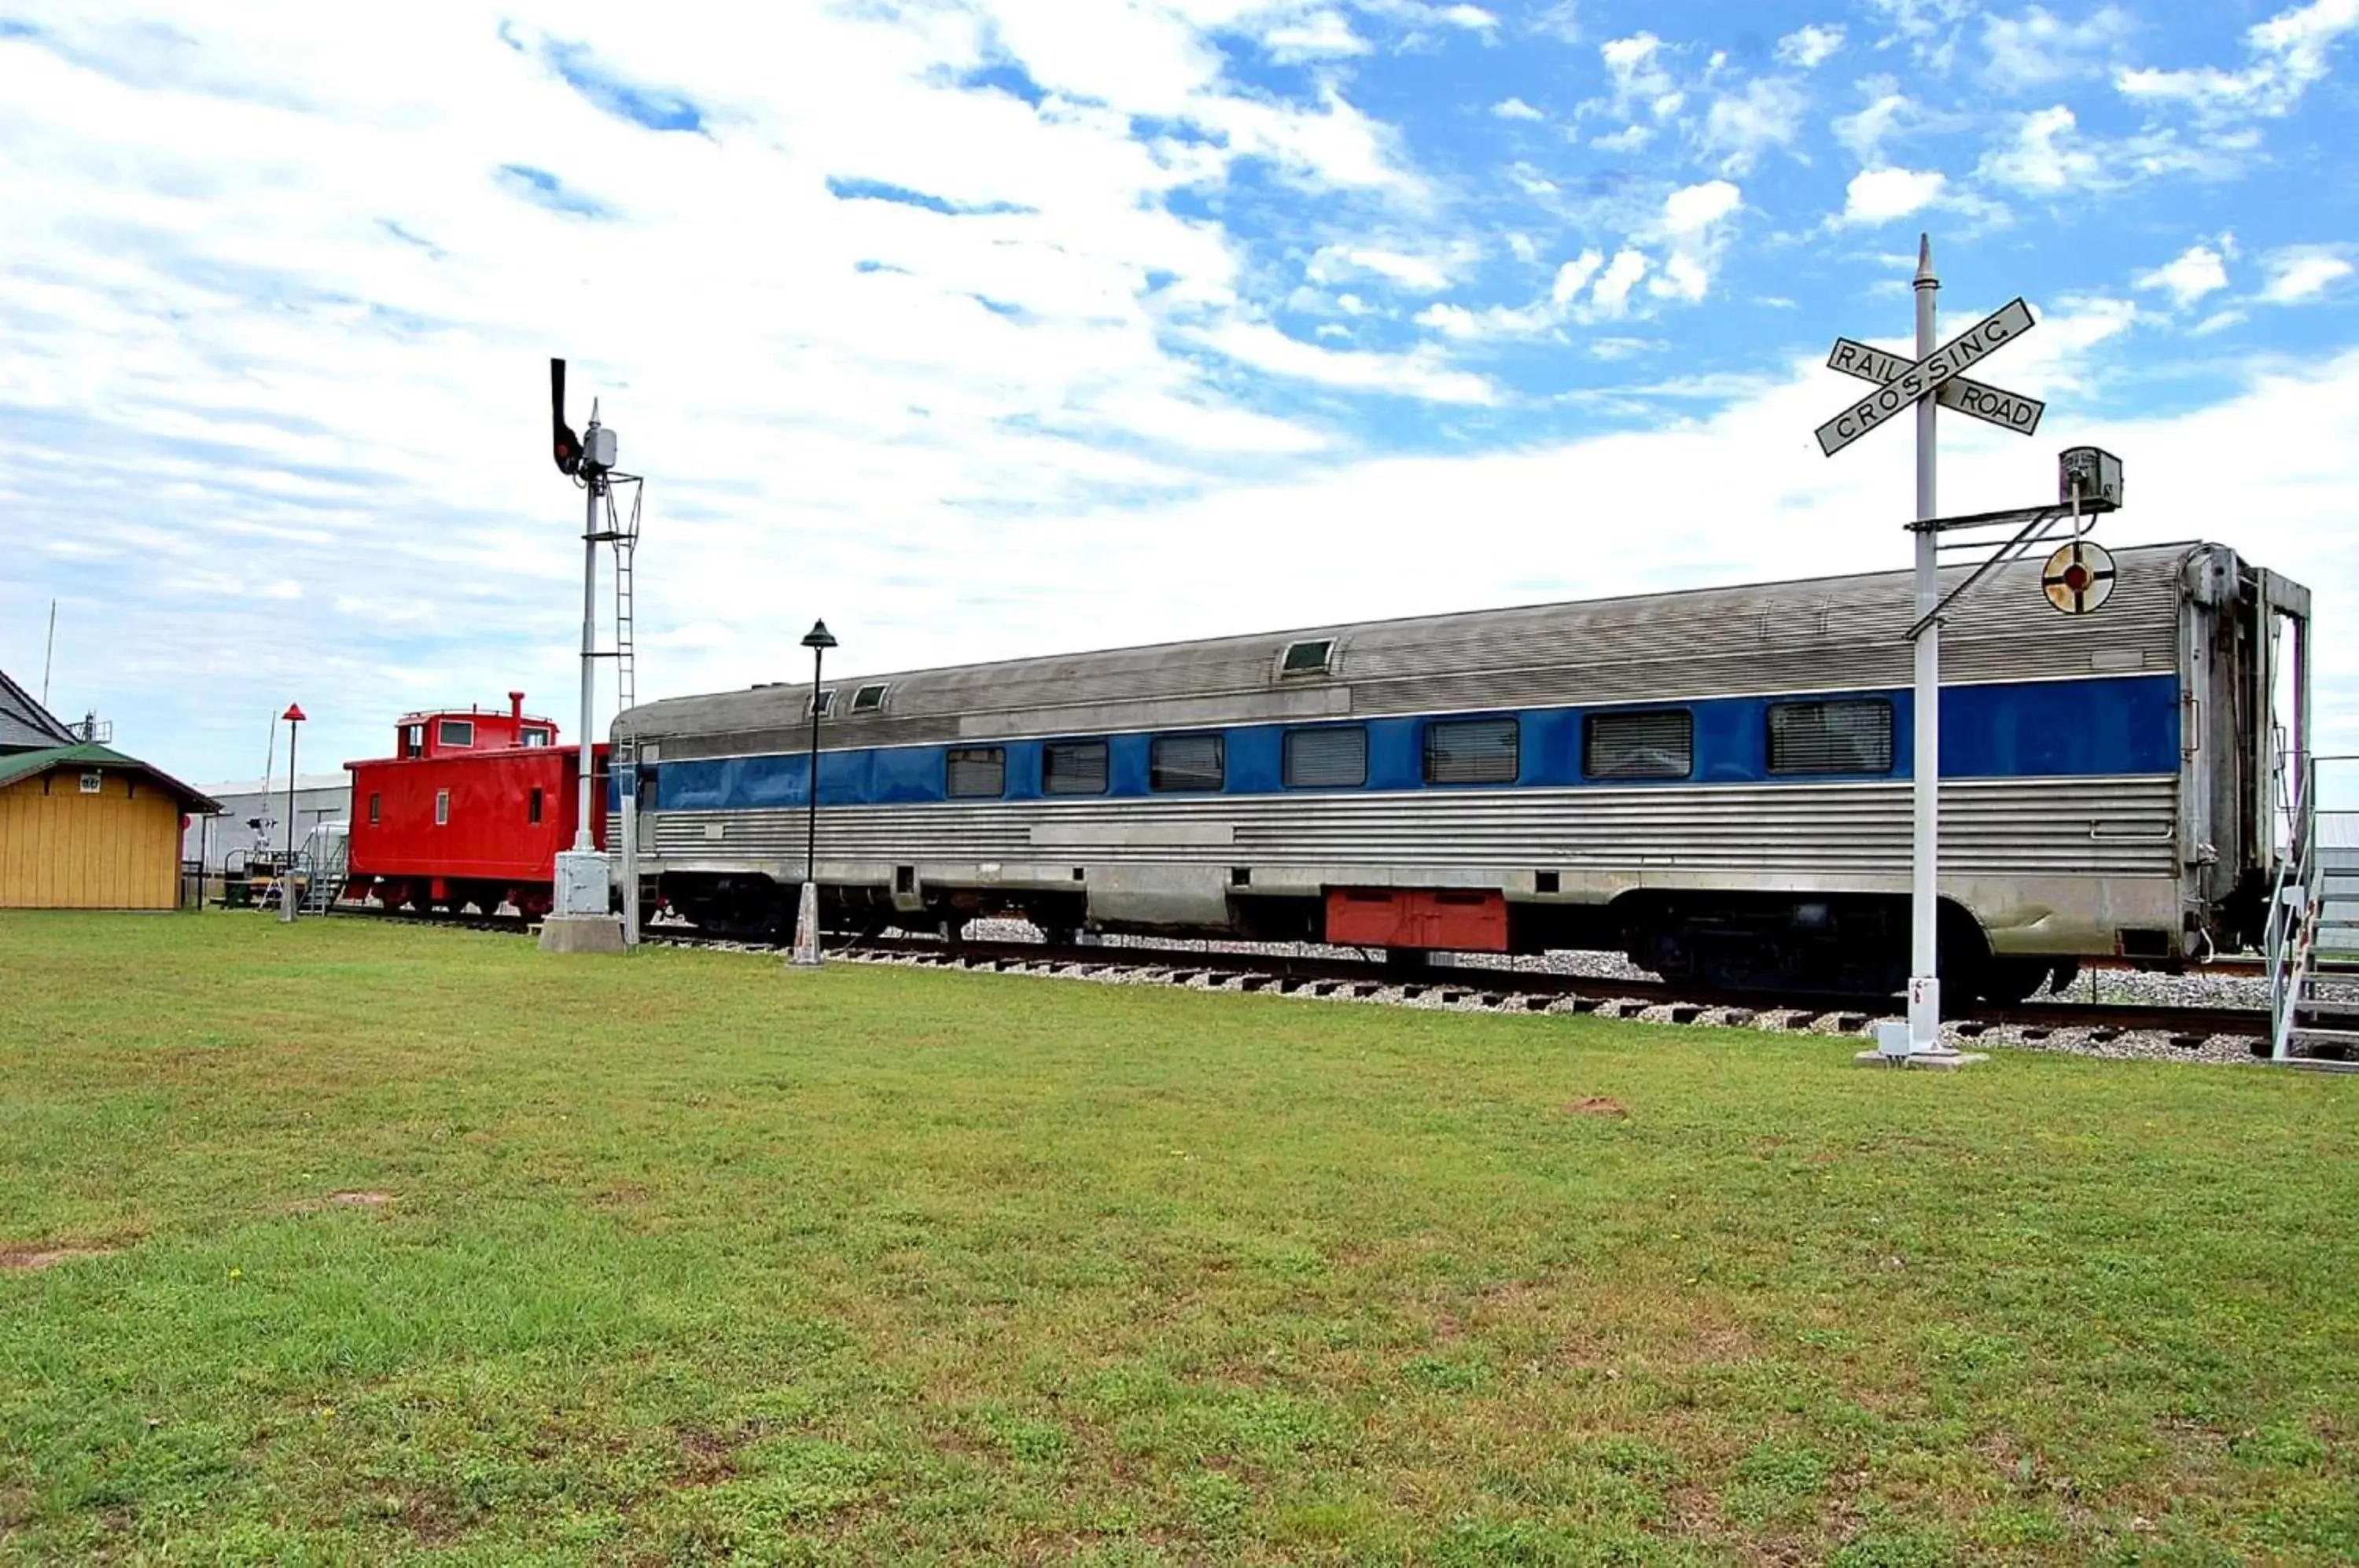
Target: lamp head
[{"x": 818, "y": 636}]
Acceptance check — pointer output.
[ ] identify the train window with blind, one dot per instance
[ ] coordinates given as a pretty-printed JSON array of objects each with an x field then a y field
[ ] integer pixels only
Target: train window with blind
[
  {"x": 1326, "y": 759},
  {"x": 1473, "y": 751},
  {"x": 533, "y": 736},
  {"x": 1073, "y": 767},
  {"x": 1657, "y": 744},
  {"x": 1849, "y": 737},
  {"x": 456, "y": 732},
  {"x": 868, "y": 699},
  {"x": 977, "y": 772},
  {"x": 1313, "y": 656},
  {"x": 1186, "y": 762},
  {"x": 377, "y": 809}
]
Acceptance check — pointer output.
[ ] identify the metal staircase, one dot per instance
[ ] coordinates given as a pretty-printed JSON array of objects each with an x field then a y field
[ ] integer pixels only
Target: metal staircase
[
  {"x": 2313, "y": 931},
  {"x": 326, "y": 858}
]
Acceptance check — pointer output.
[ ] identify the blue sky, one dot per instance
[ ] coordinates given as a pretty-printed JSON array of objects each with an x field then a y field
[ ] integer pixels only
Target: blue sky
[{"x": 1011, "y": 326}]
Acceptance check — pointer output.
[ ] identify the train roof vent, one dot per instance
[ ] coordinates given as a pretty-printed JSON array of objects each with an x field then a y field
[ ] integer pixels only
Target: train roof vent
[
  {"x": 868, "y": 699},
  {"x": 822, "y": 701},
  {"x": 1312, "y": 655}
]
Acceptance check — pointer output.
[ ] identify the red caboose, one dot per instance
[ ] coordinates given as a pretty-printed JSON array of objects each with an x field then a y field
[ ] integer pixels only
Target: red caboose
[{"x": 470, "y": 810}]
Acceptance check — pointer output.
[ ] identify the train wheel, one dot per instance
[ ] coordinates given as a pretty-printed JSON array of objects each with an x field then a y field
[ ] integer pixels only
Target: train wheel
[{"x": 2005, "y": 982}]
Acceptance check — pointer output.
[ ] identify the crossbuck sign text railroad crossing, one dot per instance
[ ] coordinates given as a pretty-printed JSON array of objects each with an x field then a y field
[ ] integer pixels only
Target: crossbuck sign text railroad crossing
[{"x": 1901, "y": 384}]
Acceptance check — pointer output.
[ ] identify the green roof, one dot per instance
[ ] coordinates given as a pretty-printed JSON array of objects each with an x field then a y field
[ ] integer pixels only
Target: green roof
[{"x": 15, "y": 765}]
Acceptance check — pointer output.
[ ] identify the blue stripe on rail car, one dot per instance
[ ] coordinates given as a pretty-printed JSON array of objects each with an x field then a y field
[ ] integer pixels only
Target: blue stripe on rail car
[{"x": 2108, "y": 724}]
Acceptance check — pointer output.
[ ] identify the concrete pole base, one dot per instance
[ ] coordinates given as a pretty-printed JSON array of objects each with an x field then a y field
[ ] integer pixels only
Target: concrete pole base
[
  {"x": 1940, "y": 1059},
  {"x": 581, "y": 933},
  {"x": 806, "y": 954}
]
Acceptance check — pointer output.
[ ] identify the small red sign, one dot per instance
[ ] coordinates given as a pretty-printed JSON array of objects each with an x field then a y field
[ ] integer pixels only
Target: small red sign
[{"x": 294, "y": 713}]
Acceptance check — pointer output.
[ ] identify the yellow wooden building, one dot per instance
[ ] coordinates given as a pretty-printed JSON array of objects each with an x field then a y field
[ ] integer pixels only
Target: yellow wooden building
[{"x": 84, "y": 827}]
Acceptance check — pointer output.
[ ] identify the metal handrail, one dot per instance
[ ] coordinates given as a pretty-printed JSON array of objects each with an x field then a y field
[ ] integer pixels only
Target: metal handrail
[
  {"x": 2287, "y": 938},
  {"x": 2293, "y": 934}
]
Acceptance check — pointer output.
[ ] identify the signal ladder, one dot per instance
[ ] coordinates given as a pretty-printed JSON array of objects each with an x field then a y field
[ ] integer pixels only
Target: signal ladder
[
  {"x": 624, "y": 535},
  {"x": 2313, "y": 933}
]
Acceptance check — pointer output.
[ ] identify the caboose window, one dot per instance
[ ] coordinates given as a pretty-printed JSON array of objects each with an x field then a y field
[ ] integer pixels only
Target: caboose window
[
  {"x": 532, "y": 808},
  {"x": 1073, "y": 767},
  {"x": 868, "y": 699},
  {"x": 1315, "y": 655},
  {"x": 455, "y": 732},
  {"x": 1659, "y": 744},
  {"x": 441, "y": 808},
  {"x": 1472, "y": 751},
  {"x": 976, "y": 772},
  {"x": 1853, "y": 737},
  {"x": 535, "y": 736},
  {"x": 1326, "y": 759},
  {"x": 377, "y": 809},
  {"x": 413, "y": 740},
  {"x": 1185, "y": 762}
]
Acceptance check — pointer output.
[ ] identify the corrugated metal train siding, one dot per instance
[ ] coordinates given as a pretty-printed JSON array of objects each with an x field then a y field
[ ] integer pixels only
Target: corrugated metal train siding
[
  {"x": 2099, "y": 827},
  {"x": 1824, "y": 635}
]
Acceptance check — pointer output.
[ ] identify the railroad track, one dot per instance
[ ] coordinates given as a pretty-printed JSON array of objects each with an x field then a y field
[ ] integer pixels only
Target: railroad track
[
  {"x": 1522, "y": 990},
  {"x": 1466, "y": 987}
]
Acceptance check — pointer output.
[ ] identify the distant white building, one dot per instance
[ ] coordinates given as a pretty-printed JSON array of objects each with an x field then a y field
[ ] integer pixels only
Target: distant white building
[{"x": 319, "y": 798}]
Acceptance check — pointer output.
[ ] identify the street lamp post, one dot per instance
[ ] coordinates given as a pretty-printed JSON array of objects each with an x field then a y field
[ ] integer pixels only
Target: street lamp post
[
  {"x": 293, "y": 715},
  {"x": 819, "y": 639}
]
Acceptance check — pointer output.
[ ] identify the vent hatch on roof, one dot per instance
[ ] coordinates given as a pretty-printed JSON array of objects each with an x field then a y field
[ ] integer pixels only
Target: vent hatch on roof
[
  {"x": 1314, "y": 656},
  {"x": 822, "y": 701},
  {"x": 868, "y": 699}
]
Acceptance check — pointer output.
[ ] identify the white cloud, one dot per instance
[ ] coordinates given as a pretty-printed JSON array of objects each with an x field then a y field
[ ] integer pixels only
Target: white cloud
[
  {"x": 1742, "y": 125},
  {"x": 2038, "y": 50},
  {"x": 1865, "y": 133},
  {"x": 1516, "y": 109},
  {"x": 2289, "y": 52},
  {"x": 1880, "y": 195},
  {"x": 1629, "y": 138},
  {"x": 1808, "y": 47},
  {"x": 2041, "y": 157},
  {"x": 1458, "y": 322},
  {"x": 1611, "y": 298},
  {"x": 1428, "y": 273},
  {"x": 1322, "y": 35},
  {"x": 1640, "y": 79},
  {"x": 1692, "y": 209},
  {"x": 2198, "y": 270},
  {"x": 2301, "y": 273},
  {"x": 1574, "y": 275},
  {"x": 1418, "y": 374}
]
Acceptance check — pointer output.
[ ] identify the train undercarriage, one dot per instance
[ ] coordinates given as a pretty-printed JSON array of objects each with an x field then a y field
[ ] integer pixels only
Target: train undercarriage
[{"x": 1839, "y": 945}]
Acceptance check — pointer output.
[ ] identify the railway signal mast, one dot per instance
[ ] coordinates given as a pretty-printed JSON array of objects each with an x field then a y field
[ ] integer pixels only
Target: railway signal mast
[
  {"x": 2076, "y": 579},
  {"x": 580, "y": 919}
]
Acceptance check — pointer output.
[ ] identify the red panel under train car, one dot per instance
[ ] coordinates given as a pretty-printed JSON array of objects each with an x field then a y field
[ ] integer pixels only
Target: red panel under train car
[{"x": 1446, "y": 919}]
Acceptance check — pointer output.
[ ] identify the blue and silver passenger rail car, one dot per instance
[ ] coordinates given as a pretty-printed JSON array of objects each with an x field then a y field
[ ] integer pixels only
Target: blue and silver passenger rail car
[{"x": 1714, "y": 782}]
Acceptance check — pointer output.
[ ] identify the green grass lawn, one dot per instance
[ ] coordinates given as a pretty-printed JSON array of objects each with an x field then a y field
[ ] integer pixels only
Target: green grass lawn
[{"x": 692, "y": 1259}]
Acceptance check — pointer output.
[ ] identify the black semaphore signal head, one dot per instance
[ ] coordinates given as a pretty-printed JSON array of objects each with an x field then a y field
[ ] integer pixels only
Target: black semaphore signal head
[{"x": 566, "y": 446}]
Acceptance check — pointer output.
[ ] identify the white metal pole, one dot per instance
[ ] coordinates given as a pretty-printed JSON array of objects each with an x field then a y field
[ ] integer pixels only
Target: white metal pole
[
  {"x": 587, "y": 742},
  {"x": 630, "y": 837},
  {"x": 1924, "y": 919}
]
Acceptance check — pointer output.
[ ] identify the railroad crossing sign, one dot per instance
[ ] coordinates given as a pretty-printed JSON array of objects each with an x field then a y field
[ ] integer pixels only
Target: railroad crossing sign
[
  {"x": 2078, "y": 577},
  {"x": 1932, "y": 373},
  {"x": 2008, "y": 410}
]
